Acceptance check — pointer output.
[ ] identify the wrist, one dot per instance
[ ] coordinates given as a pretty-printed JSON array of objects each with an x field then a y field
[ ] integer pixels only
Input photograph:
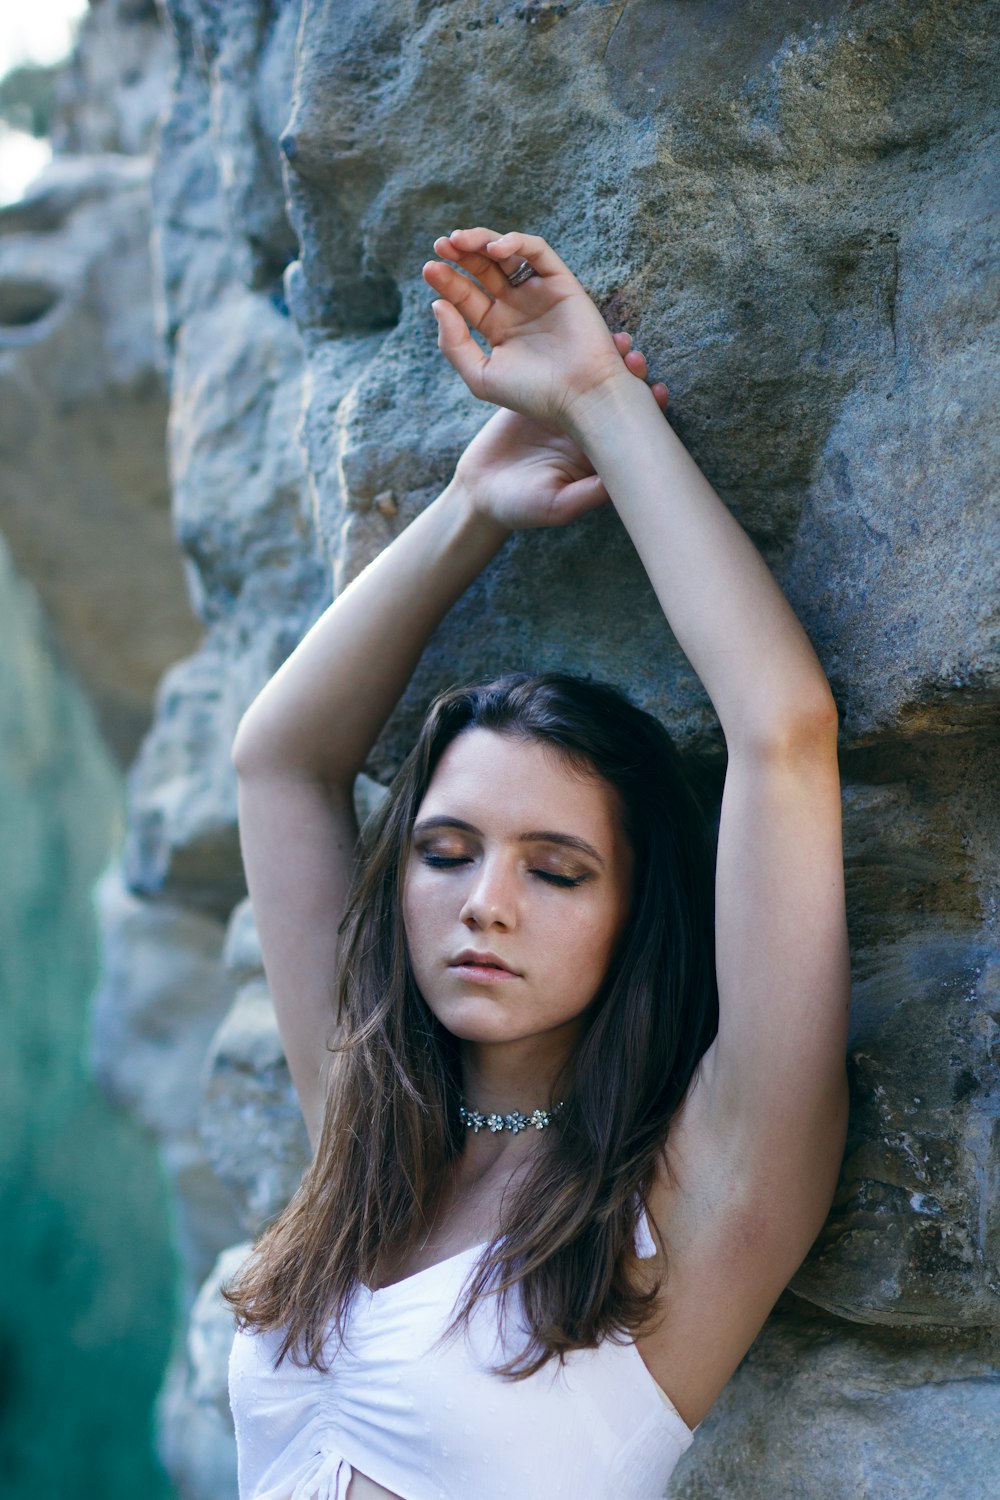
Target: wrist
[
  {"x": 601, "y": 411},
  {"x": 475, "y": 520}
]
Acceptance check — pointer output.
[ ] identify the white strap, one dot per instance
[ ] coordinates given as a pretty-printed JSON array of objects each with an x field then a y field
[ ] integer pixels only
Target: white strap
[
  {"x": 645, "y": 1245},
  {"x": 324, "y": 1483}
]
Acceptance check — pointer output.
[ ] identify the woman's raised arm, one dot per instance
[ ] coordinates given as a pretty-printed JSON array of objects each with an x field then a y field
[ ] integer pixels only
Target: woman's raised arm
[
  {"x": 299, "y": 747},
  {"x": 771, "y": 1091},
  {"x": 773, "y": 1084}
]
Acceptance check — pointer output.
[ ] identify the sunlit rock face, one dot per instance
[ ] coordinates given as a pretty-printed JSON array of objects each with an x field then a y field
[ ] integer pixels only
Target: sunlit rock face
[
  {"x": 118, "y": 82},
  {"x": 84, "y": 490},
  {"x": 788, "y": 206}
]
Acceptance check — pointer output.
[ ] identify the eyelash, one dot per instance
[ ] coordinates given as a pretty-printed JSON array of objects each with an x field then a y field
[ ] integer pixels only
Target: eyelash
[{"x": 443, "y": 862}]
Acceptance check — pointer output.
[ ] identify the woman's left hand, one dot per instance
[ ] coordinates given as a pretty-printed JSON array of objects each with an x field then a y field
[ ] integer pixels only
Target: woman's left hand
[
  {"x": 521, "y": 473},
  {"x": 551, "y": 352}
]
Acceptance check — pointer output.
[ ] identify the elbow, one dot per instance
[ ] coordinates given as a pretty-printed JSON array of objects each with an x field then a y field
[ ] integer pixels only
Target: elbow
[
  {"x": 239, "y": 758},
  {"x": 815, "y": 720},
  {"x": 263, "y": 751},
  {"x": 245, "y": 753},
  {"x": 805, "y": 726}
]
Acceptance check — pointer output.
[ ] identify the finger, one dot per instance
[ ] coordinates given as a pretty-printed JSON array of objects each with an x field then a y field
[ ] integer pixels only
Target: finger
[
  {"x": 444, "y": 247},
  {"x": 581, "y": 496},
  {"x": 459, "y": 347},
  {"x": 509, "y": 256},
  {"x": 511, "y": 249},
  {"x": 472, "y": 302},
  {"x": 473, "y": 242},
  {"x": 485, "y": 270},
  {"x": 468, "y": 240},
  {"x": 636, "y": 361}
]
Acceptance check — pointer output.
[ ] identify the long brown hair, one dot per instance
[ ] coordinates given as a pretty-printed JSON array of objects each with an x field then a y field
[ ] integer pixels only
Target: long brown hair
[{"x": 391, "y": 1125}]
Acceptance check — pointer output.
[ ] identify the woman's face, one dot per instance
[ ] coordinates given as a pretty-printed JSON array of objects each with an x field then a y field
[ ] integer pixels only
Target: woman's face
[{"x": 516, "y": 890}]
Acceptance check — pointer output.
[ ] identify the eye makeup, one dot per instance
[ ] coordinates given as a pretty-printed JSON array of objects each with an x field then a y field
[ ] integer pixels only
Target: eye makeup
[
  {"x": 546, "y": 836},
  {"x": 566, "y": 881},
  {"x": 437, "y": 860}
]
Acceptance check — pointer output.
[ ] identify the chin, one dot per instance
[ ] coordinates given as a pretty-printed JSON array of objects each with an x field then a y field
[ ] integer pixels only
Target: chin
[
  {"x": 477, "y": 1019},
  {"x": 471, "y": 1028}
]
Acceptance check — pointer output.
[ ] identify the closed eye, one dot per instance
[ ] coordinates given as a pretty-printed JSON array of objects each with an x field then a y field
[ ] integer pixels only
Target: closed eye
[{"x": 452, "y": 861}]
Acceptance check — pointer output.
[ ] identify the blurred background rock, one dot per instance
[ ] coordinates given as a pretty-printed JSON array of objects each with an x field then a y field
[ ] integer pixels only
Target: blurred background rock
[
  {"x": 88, "y": 1295},
  {"x": 791, "y": 204}
]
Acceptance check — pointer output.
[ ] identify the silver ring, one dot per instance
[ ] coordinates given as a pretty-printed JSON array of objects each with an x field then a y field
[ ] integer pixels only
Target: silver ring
[{"x": 523, "y": 273}]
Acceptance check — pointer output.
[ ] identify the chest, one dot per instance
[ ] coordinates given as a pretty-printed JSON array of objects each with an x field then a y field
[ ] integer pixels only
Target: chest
[{"x": 466, "y": 1216}]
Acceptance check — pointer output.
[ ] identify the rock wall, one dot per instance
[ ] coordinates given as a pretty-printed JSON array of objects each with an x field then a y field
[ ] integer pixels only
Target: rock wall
[
  {"x": 84, "y": 489},
  {"x": 789, "y": 205}
]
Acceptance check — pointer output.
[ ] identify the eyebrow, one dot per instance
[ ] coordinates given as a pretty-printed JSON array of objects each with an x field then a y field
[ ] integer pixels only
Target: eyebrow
[{"x": 538, "y": 836}]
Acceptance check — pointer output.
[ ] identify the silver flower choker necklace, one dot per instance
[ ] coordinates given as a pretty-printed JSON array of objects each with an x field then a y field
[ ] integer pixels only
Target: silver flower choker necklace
[{"x": 513, "y": 1122}]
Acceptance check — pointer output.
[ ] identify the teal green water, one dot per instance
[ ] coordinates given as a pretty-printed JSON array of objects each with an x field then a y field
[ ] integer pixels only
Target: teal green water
[{"x": 86, "y": 1273}]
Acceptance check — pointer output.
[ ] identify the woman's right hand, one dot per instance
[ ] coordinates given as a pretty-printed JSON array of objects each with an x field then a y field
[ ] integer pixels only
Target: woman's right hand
[{"x": 521, "y": 473}]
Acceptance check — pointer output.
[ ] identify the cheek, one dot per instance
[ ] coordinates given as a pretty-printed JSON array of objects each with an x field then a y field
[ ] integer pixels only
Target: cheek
[
  {"x": 610, "y": 924},
  {"x": 412, "y": 913},
  {"x": 422, "y": 910},
  {"x": 587, "y": 941}
]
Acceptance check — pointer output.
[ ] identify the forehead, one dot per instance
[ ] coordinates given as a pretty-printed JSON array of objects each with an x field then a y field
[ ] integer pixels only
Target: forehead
[{"x": 512, "y": 785}]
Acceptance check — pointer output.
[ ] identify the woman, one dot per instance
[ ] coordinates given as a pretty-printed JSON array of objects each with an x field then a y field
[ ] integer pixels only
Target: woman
[{"x": 527, "y": 944}]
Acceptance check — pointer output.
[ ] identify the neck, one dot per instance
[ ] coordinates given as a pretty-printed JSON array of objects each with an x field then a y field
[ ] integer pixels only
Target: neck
[{"x": 522, "y": 1076}]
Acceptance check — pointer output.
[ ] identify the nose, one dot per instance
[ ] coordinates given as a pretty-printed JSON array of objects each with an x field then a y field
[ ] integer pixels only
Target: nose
[{"x": 491, "y": 899}]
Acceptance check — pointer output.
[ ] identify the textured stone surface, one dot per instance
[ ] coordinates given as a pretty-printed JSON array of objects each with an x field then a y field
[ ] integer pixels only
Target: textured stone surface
[
  {"x": 195, "y": 1425},
  {"x": 162, "y": 994},
  {"x": 241, "y": 497},
  {"x": 914, "y": 1235},
  {"x": 210, "y": 1334},
  {"x": 110, "y": 96},
  {"x": 823, "y": 1411},
  {"x": 775, "y": 200},
  {"x": 251, "y": 1123},
  {"x": 195, "y": 1441},
  {"x": 84, "y": 494},
  {"x": 788, "y": 205},
  {"x": 219, "y": 206}
]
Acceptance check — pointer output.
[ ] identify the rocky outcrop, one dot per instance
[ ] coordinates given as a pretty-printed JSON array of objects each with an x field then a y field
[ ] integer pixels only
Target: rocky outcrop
[
  {"x": 820, "y": 1407},
  {"x": 787, "y": 205},
  {"x": 84, "y": 490},
  {"x": 116, "y": 85}
]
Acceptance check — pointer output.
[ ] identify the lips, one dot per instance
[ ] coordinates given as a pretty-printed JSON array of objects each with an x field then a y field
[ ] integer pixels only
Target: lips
[{"x": 472, "y": 960}]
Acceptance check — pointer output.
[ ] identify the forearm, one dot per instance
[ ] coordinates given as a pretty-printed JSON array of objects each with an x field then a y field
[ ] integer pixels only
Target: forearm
[
  {"x": 320, "y": 714},
  {"x": 722, "y": 603}
]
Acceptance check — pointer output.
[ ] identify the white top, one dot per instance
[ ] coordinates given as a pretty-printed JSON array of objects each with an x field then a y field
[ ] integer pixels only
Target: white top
[{"x": 434, "y": 1424}]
